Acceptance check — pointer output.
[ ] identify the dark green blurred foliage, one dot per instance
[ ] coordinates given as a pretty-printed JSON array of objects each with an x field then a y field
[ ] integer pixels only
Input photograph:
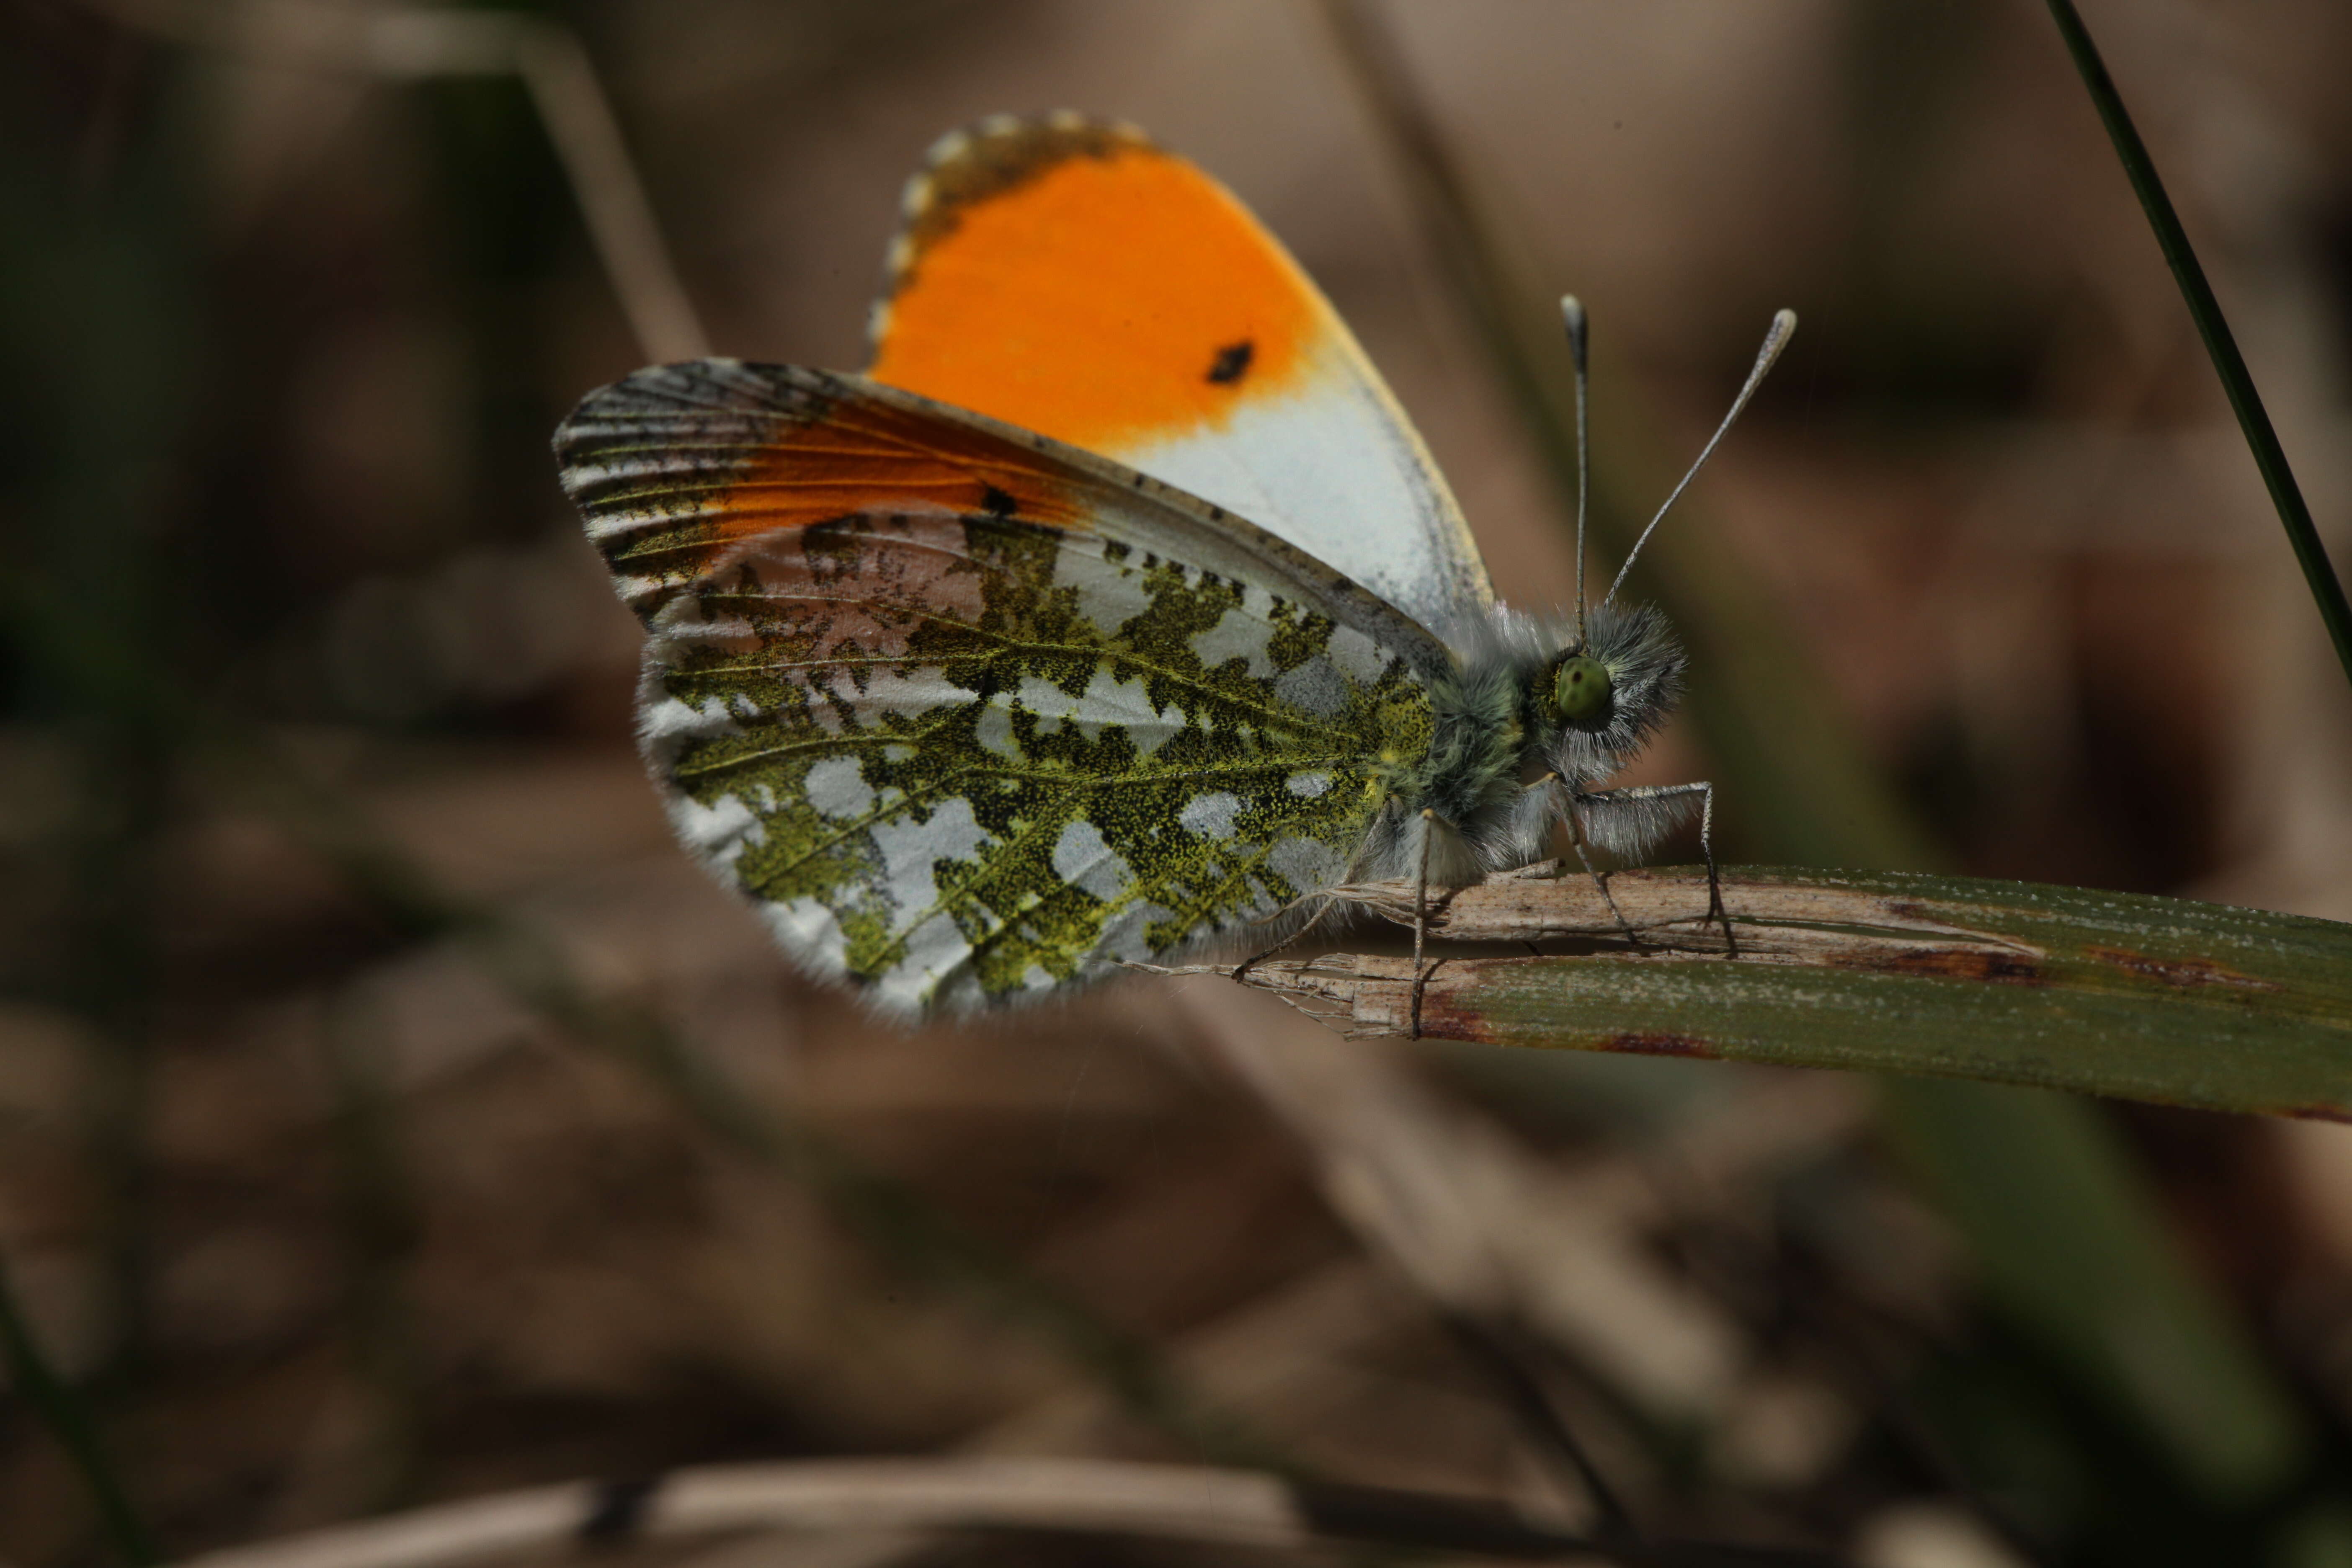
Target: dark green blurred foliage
[{"x": 106, "y": 345}]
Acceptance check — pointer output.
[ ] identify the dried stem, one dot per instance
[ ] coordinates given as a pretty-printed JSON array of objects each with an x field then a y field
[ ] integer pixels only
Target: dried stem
[{"x": 1235, "y": 1507}]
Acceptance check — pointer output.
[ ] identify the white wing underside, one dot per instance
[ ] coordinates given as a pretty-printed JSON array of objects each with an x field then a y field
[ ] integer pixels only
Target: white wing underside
[{"x": 1335, "y": 468}]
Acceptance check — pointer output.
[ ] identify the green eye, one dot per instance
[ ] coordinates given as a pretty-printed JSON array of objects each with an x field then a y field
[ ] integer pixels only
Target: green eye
[{"x": 1581, "y": 689}]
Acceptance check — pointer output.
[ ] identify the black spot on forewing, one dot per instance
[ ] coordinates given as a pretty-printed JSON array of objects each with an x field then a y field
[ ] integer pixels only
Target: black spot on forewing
[
  {"x": 997, "y": 502},
  {"x": 1232, "y": 363}
]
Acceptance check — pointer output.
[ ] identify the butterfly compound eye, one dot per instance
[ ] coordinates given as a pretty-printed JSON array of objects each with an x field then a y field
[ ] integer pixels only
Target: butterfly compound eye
[{"x": 1581, "y": 689}]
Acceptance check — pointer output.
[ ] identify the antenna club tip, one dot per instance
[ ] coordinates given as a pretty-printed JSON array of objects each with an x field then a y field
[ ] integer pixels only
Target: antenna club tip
[
  {"x": 1784, "y": 321},
  {"x": 1571, "y": 315}
]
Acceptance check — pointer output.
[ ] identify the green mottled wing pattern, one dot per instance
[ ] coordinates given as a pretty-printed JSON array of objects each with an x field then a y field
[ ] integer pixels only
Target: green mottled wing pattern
[{"x": 960, "y": 756}]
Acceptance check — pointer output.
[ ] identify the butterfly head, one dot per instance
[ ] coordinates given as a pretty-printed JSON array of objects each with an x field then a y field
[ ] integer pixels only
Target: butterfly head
[
  {"x": 1597, "y": 700},
  {"x": 1579, "y": 688},
  {"x": 1617, "y": 674}
]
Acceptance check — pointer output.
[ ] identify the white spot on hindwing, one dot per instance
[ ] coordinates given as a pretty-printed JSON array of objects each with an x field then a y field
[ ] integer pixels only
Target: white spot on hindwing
[
  {"x": 1242, "y": 632},
  {"x": 810, "y": 933},
  {"x": 1308, "y": 863},
  {"x": 668, "y": 718},
  {"x": 1127, "y": 935},
  {"x": 1308, "y": 787},
  {"x": 909, "y": 849},
  {"x": 1082, "y": 859},
  {"x": 719, "y": 830},
  {"x": 1314, "y": 686},
  {"x": 1210, "y": 816},
  {"x": 838, "y": 788},
  {"x": 1107, "y": 700},
  {"x": 1109, "y": 594},
  {"x": 993, "y": 731},
  {"x": 933, "y": 951}
]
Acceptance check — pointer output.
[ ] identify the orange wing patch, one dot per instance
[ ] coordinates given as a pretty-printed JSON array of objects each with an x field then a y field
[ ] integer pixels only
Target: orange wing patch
[
  {"x": 675, "y": 464},
  {"x": 864, "y": 456},
  {"x": 1067, "y": 277},
  {"x": 1074, "y": 279}
]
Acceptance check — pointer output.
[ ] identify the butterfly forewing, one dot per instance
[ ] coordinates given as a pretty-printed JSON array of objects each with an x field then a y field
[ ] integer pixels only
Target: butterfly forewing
[
  {"x": 969, "y": 724},
  {"x": 1071, "y": 277}
]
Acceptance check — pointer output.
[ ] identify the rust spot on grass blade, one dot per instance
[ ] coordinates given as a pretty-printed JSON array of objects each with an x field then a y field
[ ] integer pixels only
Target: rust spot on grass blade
[
  {"x": 1440, "y": 1022},
  {"x": 2318, "y": 1113},
  {"x": 2182, "y": 973},
  {"x": 1986, "y": 965},
  {"x": 1443, "y": 1017},
  {"x": 1658, "y": 1043}
]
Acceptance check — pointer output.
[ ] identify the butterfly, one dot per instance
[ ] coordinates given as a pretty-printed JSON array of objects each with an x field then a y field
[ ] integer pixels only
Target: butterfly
[{"x": 1115, "y": 613}]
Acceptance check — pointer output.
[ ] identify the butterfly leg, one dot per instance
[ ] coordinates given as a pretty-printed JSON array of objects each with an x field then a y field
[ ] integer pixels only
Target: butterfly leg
[
  {"x": 1563, "y": 801},
  {"x": 1241, "y": 970},
  {"x": 1576, "y": 841},
  {"x": 1644, "y": 811},
  {"x": 1429, "y": 822}
]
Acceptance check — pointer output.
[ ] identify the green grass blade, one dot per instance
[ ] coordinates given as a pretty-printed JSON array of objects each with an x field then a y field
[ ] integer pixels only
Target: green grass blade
[
  {"x": 2310, "y": 553},
  {"x": 61, "y": 1409},
  {"x": 2145, "y": 998}
]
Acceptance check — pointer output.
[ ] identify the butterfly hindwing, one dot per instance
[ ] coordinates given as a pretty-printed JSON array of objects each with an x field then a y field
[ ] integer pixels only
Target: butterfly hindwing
[
  {"x": 968, "y": 716},
  {"x": 1071, "y": 277}
]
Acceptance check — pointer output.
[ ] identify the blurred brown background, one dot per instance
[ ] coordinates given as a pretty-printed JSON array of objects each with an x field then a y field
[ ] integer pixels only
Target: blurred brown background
[{"x": 340, "y": 1166}]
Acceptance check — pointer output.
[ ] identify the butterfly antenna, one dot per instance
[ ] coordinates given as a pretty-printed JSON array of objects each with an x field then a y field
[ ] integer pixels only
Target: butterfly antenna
[
  {"x": 1784, "y": 324},
  {"x": 1571, "y": 315}
]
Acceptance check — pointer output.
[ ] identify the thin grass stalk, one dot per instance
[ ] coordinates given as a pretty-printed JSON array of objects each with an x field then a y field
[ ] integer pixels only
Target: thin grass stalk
[
  {"x": 2213, "y": 328},
  {"x": 62, "y": 1410}
]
